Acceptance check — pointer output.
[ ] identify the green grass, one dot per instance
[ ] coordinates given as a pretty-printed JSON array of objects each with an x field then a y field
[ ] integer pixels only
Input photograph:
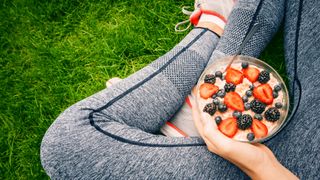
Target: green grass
[{"x": 55, "y": 53}]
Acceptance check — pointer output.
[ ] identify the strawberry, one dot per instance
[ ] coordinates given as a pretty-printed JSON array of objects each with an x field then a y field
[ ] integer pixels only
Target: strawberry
[
  {"x": 234, "y": 101},
  {"x": 228, "y": 127},
  {"x": 263, "y": 93},
  {"x": 251, "y": 74},
  {"x": 234, "y": 76},
  {"x": 259, "y": 129},
  {"x": 207, "y": 90}
]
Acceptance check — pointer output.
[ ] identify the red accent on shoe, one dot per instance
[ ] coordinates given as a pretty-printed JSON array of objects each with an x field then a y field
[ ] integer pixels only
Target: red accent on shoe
[
  {"x": 188, "y": 102},
  {"x": 195, "y": 16}
]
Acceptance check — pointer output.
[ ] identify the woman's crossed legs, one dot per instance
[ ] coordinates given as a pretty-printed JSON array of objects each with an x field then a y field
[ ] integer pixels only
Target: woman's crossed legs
[{"x": 111, "y": 133}]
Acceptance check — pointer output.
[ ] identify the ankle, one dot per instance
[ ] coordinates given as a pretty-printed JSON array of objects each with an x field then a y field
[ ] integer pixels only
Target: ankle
[
  {"x": 213, "y": 21},
  {"x": 212, "y": 26}
]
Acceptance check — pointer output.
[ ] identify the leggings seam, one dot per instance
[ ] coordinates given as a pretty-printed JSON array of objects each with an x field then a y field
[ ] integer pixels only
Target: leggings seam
[
  {"x": 254, "y": 17},
  {"x": 193, "y": 52}
]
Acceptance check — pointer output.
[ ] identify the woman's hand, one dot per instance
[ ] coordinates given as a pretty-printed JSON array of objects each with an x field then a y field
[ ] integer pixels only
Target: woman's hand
[{"x": 256, "y": 160}]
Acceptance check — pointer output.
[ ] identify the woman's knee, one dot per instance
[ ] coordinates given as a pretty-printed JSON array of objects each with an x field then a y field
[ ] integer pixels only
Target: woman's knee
[{"x": 64, "y": 140}]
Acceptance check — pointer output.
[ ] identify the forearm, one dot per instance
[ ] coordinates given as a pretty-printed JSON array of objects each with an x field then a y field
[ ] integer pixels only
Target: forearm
[
  {"x": 271, "y": 170},
  {"x": 261, "y": 164}
]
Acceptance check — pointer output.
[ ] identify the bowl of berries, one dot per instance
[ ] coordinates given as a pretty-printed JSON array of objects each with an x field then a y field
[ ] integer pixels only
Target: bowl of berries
[{"x": 248, "y": 100}]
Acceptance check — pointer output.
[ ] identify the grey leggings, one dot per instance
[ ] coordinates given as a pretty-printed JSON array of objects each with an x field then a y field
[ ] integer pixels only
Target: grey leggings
[{"x": 113, "y": 134}]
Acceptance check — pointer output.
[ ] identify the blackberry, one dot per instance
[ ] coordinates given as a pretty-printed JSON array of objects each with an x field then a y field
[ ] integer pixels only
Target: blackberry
[
  {"x": 251, "y": 87},
  {"x": 221, "y": 93},
  {"x": 244, "y": 65},
  {"x": 222, "y": 107},
  {"x": 275, "y": 94},
  {"x": 218, "y": 120},
  {"x": 236, "y": 114},
  {"x": 264, "y": 77},
  {"x": 258, "y": 117},
  {"x": 218, "y": 74},
  {"x": 250, "y": 136},
  {"x": 272, "y": 114},
  {"x": 257, "y": 106},
  {"x": 249, "y": 93},
  {"x": 216, "y": 101},
  {"x": 210, "y": 108},
  {"x": 229, "y": 87},
  {"x": 210, "y": 78},
  {"x": 244, "y": 122},
  {"x": 245, "y": 98},
  {"x": 277, "y": 88},
  {"x": 278, "y": 105},
  {"x": 247, "y": 106}
]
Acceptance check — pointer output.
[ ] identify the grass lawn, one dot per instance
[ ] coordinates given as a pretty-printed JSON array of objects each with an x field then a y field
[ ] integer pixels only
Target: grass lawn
[{"x": 55, "y": 53}]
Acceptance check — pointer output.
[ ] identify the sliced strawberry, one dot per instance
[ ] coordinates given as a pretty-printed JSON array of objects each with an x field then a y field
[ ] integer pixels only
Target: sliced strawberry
[
  {"x": 234, "y": 101},
  {"x": 259, "y": 129},
  {"x": 228, "y": 127},
  {"x": 234, "y": 76},
  {"x": 207, "y": 90},
  {"x": 263, "y": 93},
  {"x": 251, "y": 74}
]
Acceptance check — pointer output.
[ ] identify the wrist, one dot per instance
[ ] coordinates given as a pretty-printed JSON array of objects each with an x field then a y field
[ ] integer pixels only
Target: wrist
[
  {"x": 262, "y": 170},
  {"x": 255, "y": 163},
  {"x": 270, "y": 169}
]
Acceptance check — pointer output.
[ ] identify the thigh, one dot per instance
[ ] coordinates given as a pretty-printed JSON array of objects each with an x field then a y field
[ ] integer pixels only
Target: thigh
[
  {"x": 73, "y": 149},
  {"x": 297, "y": 145}
]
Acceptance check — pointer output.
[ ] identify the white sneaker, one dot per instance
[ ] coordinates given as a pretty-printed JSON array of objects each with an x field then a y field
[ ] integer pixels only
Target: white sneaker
[{"x": 216, "y": 11}]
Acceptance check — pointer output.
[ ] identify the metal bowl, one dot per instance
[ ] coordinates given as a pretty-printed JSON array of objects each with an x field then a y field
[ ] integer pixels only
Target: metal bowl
[{"x": 220, "y": 65}]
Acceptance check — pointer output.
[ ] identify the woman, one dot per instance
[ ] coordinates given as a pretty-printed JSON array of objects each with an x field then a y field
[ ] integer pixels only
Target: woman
[{"x": 112, "y": 134}]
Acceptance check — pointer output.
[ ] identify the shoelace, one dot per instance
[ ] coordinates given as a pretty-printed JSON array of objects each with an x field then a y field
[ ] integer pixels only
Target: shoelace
[{"x": 188, "y": 13}]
